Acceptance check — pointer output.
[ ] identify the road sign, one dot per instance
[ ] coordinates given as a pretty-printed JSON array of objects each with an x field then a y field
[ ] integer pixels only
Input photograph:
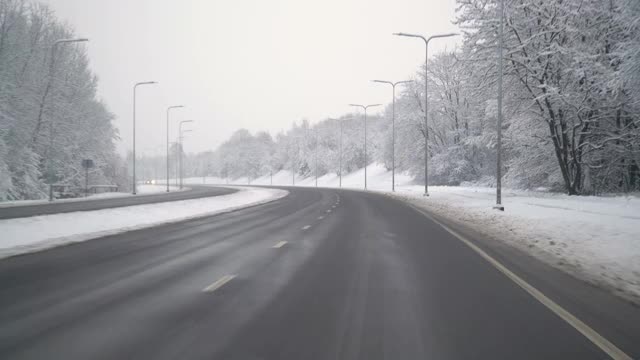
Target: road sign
[{"x": 87, "y": 163}]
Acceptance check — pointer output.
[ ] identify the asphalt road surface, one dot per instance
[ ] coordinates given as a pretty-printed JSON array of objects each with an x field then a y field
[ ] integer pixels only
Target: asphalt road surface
[
  {"x": 195, "y": 192},
  {"x": 319, "y": 274}
]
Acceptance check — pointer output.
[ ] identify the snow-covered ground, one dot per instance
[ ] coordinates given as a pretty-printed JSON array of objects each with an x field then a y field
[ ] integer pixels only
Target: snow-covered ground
[
  {"x": 143, "y": 189},
  {"x": 594, "y": 238},
  {"x": 378, "y": 178},
  {"x": 30, "y": 234}
]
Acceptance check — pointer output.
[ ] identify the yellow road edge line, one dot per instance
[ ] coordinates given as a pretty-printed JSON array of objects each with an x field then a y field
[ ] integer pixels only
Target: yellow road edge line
[
  {"x": 218, "y": 284},
  {"x": 605, "y": 345}
]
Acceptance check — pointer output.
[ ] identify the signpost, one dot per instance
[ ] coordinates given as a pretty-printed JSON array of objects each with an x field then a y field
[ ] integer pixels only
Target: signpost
[{"x": 87, "y": 164}]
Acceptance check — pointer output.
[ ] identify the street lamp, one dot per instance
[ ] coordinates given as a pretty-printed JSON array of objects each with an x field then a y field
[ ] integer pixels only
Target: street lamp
[
  {"x": 316, "y": 157},
  {"x": 135, "y": 87},
  {"x": 175, "y": 145},
  {"x": 340, "y": 159},
  {"x": 426, "y": 100},
  {"x": 393, "y": 136},
  {"x": 168, "y": 111},
  {"x": 43, "y": 102},
  {"x": 180, "y": 138},
  {"x": 181, "y": 141},
  {"x": 340, "y": 168},
  {"x": 499, "y": 205},
  {"x": 294, "y": 160},
  {"x": 365, "y": 107}
]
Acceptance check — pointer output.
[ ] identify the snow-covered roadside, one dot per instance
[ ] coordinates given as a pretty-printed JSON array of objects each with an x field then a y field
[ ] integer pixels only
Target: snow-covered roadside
[
  {"x": 36, "y": 233},
  {"x": 594, "y": 238},
  {"x": 143, "y": 189},
  {"x": 146, "y": 189}
]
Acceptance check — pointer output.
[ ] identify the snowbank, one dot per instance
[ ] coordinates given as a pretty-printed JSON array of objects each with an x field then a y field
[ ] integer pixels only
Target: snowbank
[
  {"x": 30, "y": 234},
  {"x": 143, "y": 189},
  {"x": 378, "y": 178},
  {"x": 594, "y": 238}
]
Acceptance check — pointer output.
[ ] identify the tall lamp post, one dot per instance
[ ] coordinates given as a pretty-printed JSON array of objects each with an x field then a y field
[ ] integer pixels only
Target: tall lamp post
[
  {"x": 365, "y": 107},
  {"x": 340, "y": 167},
  {"x": 180, "y": 159},
  {"x": 168, "y": 112},
  {"x": 499, "y": 205},
  {"x": 294, "y": 161},
  {"x": 44, "y": 99},
  {"x": 180, "y": 138},
  {"x": 426, "y": 100},
  {"x": 135, "y": 87},
  {"x": 316, "y": 157},
  {"x": 393, "y": 131},
  {"x": 175, "y": 144},
  {"x": 340, "y": 158}
]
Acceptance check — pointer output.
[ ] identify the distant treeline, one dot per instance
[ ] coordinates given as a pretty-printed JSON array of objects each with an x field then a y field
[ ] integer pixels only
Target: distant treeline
[{"x": 571, "y": 107}]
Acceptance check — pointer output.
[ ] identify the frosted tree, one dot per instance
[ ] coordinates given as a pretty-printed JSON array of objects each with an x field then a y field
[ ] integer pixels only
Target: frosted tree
[
  {"x": 50, "y": 117},
  {"x": 561, "y": 55}
]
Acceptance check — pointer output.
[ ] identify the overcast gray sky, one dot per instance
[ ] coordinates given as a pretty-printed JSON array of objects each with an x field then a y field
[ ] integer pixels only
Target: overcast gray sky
[{"x": 255, "y": 64}]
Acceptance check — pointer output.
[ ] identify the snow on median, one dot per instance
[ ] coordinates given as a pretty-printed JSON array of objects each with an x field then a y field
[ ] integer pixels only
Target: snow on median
[
  {"x": 24, "y": 235},
  {"x": 143, "y": 190}
]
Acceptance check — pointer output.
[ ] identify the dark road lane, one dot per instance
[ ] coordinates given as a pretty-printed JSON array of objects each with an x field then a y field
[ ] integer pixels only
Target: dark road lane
[
  {"x": 319, "y": 274},
  {"x": 195, "y": 192}
]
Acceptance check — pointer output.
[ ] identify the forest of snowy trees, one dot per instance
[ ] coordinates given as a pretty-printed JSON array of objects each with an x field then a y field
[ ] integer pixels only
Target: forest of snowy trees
[
  {"x": 571, "y": 107},
  {"x": 50, "y": 116}
]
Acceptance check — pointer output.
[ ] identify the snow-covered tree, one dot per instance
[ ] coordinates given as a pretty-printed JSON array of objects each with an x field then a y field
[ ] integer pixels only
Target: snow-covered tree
[
  {"x": 571, "y": 105},
  {"x": 50, "y": 116}
]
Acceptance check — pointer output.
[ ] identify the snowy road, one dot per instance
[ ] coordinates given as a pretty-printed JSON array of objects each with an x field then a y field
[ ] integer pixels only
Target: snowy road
[{"x": 319, "y": 274}]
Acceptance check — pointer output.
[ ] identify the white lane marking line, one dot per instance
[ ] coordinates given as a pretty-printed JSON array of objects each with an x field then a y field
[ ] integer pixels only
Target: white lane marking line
[
  {"x": 320, "y": 217},
  {"x": 306, "y": 227},
  {"x": 333, "y": 207},
  {"x": 218, "y": 284},
  {"x": 605, "y": 345},
  {"x": 328, "y": 211},
  {"x": 280, "y": 244}
]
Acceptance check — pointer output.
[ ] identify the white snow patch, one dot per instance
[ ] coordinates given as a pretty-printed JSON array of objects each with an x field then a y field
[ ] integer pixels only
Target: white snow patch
[
  {"x": 378, "y": 178},
  {"x": 143, "y": 189},
  {"x": 24, "y": 235},
  {"x": 595, "y": 238}
]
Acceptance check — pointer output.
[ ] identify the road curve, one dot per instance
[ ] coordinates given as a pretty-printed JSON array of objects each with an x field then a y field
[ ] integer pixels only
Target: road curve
[
  {"x": 319, "y": 274},
  {"x": 195, "y": 192}
]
